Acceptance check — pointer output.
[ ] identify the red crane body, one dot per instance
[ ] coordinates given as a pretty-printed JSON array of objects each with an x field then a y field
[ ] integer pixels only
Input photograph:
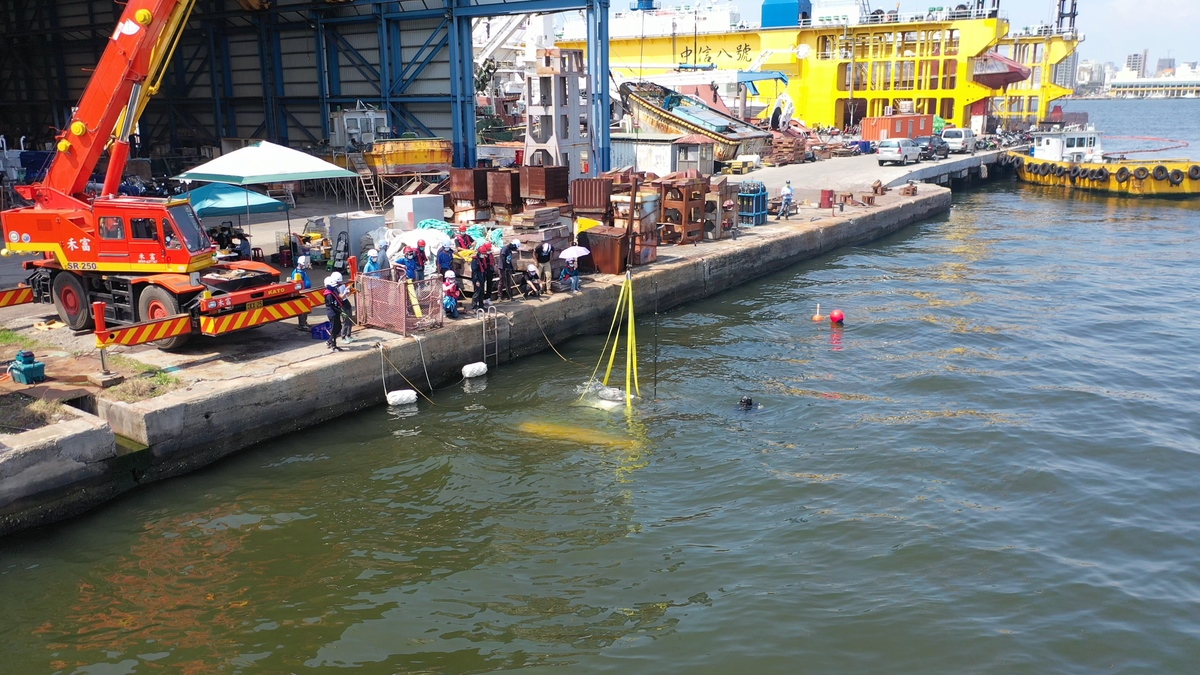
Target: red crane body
[{"x": 146, "y": 259}]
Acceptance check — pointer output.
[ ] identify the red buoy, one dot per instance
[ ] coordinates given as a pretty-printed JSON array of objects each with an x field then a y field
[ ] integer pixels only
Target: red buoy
[{"x": 836, "y": 316}]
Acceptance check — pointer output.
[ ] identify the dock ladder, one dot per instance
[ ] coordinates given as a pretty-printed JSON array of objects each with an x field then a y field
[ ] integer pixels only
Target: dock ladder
[
  {"x": 491, "y": 334},
  {"x": 359, "y": 164}
]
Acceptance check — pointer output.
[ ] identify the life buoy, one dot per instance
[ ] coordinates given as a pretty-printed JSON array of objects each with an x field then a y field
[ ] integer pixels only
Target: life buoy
[
  {"x": 1160, "y": 172},
  {"x": 1141, "y": 173},
  {"x": 1122, "y": 174},
  {"x": 1102, "y": 175},
  {"x": 1176, "y": 177},
  {"x": 1194, "y": 172}
]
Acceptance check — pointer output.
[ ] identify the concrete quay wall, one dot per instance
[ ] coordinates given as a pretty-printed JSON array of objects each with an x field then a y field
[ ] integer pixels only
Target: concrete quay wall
[
  {"x": 57, "y": 471},
  {"x": 190, "y": 428}
]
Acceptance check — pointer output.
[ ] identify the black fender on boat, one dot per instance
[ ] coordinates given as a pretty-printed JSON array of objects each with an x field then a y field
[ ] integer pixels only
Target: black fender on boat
[
  {"x": 1122, "y": 174},
  {"x": 1102, "y": 174},
  {"x": 1176, "y": 177},
  {"x": 1141, "y": 173},
  {"x": 1160, "y": 172},
  {"x": 1194, "y": 172}
]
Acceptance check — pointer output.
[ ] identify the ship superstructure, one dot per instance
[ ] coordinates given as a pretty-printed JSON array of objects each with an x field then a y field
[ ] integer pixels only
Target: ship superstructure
[{"x": 844, "y": 61}]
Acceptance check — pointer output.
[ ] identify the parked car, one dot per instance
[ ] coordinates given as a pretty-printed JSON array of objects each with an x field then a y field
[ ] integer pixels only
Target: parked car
[
  {"x": 932, "y": 147},
  {"x": 898, "y": 150},
  {"x": 960, "y": 140}
]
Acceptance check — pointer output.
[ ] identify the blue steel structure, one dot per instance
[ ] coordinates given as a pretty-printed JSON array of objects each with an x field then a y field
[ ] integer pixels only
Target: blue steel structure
[{"x": 309, "y": 58}]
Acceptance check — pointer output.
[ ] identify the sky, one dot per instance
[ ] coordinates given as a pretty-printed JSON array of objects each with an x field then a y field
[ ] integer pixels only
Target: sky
[{"x": 1113, "y": 28}]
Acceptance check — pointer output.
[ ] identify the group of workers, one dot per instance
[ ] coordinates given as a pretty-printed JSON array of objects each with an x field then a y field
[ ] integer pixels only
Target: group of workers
[
  {"x": 338, "y": 309},
  {"x": 225, "y": 236},
  {"x": 487, "y": 267}
]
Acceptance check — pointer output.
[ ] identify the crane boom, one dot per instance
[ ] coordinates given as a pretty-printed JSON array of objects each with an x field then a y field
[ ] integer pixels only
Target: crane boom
[
  {"x": 139, "y": 262},
  {"x": 127, "y": 61}
]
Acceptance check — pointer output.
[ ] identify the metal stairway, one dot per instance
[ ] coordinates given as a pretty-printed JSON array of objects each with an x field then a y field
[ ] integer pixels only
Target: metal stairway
[{"x": 359, "y": 164}]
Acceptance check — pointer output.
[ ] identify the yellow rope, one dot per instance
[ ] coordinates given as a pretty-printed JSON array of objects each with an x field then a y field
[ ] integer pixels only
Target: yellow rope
[
  {"x": 606, "y": 340},
  {"x": 415, "y": 388},
  {"x": 539, "y": 323}
]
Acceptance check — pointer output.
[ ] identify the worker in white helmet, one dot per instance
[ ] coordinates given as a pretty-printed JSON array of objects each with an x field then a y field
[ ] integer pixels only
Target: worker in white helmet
[
  {"x": 333, "y": 309},
  {"x": 300, "y": 276},
  {"x": 451, "y": 294}
]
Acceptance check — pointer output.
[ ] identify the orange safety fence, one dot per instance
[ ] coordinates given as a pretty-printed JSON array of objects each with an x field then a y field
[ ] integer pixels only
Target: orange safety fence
[
  {"x": 388, "y": 300},
  {"x": 16, "y": 296},
  {"x": 249, "y": 318},
  {"x": 147, "y": 331}
]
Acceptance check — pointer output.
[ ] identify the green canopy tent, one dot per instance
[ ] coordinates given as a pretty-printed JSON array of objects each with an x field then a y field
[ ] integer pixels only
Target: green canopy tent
[
  {"x": 221, "y": 199},
  {"x": 264, "y": 162}
]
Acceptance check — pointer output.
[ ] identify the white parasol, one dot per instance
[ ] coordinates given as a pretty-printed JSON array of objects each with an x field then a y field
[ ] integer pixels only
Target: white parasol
[{"x": 574, "y": 253}]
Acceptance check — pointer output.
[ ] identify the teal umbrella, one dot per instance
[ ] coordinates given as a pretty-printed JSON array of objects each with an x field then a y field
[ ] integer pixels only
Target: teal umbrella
[{"x": 220, "y": 199}]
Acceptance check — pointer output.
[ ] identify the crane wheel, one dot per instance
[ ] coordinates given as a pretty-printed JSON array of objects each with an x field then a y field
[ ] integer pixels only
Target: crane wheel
[
  {"x": 157, "y": 303},
  {"x": 71, "y": 301}
]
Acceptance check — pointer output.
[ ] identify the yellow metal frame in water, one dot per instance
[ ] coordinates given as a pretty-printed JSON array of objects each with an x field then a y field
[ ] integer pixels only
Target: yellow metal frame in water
[{"x": 623, "y": 317}]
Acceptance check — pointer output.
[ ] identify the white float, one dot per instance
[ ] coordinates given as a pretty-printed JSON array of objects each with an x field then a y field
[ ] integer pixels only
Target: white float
[
  {"x": 477, "y": 369},
  {"x": 401, "y": 397}
]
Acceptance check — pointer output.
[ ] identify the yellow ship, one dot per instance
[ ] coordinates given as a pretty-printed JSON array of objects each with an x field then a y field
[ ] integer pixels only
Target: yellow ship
[
  {"x": 841, "y": 62},
  {"x": 1074, "y": 158}
]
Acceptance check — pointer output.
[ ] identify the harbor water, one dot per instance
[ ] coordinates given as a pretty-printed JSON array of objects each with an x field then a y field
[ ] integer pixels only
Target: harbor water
[{"x": 991, "y": 468}]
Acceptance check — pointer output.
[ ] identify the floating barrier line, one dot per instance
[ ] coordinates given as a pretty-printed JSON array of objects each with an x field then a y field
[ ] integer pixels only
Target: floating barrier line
[{"x": 1178, "y": 144}]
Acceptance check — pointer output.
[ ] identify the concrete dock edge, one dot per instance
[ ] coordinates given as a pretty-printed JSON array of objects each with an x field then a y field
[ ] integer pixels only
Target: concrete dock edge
[{"x": 189, "y": 428}]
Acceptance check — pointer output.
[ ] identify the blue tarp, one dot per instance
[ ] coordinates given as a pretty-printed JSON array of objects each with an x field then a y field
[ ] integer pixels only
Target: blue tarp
[{"x": 221, "y": 199}]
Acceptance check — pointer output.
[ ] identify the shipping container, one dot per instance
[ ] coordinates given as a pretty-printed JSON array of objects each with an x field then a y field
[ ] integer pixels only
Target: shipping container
[{"x": 896, "y": 126}]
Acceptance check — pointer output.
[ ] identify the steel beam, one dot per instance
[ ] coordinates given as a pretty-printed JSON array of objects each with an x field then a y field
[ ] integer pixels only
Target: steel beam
[{"x": 597, "y": 27}]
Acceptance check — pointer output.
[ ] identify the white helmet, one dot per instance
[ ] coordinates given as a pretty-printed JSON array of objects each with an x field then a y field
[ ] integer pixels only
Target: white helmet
[
  {"x": 516, "y": 242},
  {"x": 373, "y": 253},
  {"x": 532, "y": 268},
  {"x": 449, "y": 274},
  {"x": 334, "y": 279},
  {"x": 303, "y": 262}
]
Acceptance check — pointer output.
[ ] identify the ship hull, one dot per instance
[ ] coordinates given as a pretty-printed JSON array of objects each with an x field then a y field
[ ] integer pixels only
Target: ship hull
[
  {"x": 1140, "y": 178},
  {"x": 745, "y": 140}
]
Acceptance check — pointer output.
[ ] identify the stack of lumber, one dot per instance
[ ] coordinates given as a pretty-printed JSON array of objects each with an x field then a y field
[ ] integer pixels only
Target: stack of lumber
[{"x": 535, "y": 219}]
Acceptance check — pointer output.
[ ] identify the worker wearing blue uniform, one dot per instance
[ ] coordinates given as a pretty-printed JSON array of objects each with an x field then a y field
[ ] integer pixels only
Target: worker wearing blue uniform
[
  {"x": 300, "y": 275},
  {"x": 445, "y": 260},
  {"x": 372, "y": 262}
]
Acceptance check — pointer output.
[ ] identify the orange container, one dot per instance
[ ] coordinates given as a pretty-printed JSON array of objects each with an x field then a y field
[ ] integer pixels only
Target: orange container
[{"x": 896, "y": 126}]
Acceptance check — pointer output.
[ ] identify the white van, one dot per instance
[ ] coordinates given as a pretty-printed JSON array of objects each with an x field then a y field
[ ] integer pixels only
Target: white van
[{"x": 960, "y": 140}]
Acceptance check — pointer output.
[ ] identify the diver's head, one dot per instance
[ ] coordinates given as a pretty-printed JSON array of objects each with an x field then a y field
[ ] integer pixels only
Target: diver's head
[{"x": 746, "y": 403}]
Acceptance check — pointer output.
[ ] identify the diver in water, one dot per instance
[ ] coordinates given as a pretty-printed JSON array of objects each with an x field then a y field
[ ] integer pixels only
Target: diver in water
[{"x": 746, "y": 403}]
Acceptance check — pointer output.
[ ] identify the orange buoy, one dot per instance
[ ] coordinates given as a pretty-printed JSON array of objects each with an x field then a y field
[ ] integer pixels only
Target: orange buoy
[{"x": 817, "y": 316}]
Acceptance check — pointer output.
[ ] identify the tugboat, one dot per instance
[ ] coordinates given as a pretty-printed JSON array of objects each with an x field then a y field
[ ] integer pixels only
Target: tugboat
[{"x": 1073, "y": 157}]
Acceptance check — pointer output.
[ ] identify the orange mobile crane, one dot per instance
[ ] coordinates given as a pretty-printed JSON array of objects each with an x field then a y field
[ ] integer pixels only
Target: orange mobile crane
[{"x": 147, "y": 260}]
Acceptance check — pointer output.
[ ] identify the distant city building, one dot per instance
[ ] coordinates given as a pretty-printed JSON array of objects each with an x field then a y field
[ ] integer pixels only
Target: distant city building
[
  {"x": 1065, "y": 73},
  {"x": 1136, "y": 63},
  {"x": 1089, "y": 74},
  {"x": 1181, "y": 82},
  {"x": 1165, "y": 67}
]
